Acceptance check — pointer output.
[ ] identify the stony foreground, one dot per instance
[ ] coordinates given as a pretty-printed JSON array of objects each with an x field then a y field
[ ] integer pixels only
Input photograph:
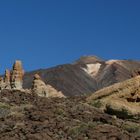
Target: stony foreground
[{"x": 25, "y": 116}]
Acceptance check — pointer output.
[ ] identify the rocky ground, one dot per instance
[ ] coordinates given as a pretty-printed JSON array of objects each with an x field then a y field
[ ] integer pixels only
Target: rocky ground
[
  {"x": 25, "y": 116},
  {"x": 121, "y": 99}
]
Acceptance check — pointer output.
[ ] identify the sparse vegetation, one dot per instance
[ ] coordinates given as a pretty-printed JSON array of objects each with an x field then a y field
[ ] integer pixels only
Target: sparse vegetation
[
  {"x": 97, "y": 104},
  {"x": 81, "y": 129},
  {"x": 55, "y": 118},
  {"x": 120, "y": 113},
  {"x": 4, "y": 106},
  {"x": 60, "y": 112}
]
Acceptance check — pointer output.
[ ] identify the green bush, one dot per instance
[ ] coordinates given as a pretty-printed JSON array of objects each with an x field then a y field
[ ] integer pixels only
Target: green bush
[
  {"x": 97, "y": 104},
  {"x": 131, "y": 128}
]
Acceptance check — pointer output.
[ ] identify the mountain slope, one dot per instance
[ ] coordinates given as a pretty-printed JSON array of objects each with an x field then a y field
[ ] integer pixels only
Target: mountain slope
[
  {"x": 25, "y": 116},
  {"x": 70, "y": 79},
  {"x": 86, "y": 75},
  {"x": 121, "y": 99}
]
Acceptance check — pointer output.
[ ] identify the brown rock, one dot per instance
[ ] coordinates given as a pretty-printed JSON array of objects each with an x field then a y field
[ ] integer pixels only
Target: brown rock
[
  {"x": 37, "y": 77},
  {"x": 40, "y": 88},
  {"x": 135, "y": 73},
  {"x": 17, "y": 75}
]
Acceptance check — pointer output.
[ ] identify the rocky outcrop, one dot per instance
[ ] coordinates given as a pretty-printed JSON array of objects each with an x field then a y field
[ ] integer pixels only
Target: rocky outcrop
[
  {"x": 135, "y": 73},
  {"x": 17, "y": 75},
  {"x": 13, "y": 79},
  {"x": 5, "y": 82},
  {"x": 7, "y": 79},
  {"x": 2, "y": 84},
  {"x": 121, "y": 99},
  {"x": 43, "y": 90}
]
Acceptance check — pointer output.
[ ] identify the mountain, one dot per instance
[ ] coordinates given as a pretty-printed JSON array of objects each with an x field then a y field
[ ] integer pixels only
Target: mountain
[
  {"x": 85, "y": 76},
  {"x": 42, "y": 109},
  {"x": 69, "y": 78}
]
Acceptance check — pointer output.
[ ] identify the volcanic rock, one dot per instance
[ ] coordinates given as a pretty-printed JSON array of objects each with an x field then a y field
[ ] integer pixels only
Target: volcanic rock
[
  {"x": 121, "y": 99},
  {"x": 2, "y": 84},
  {"x": 17, "y": 75},
  {"x": 41, "y": 89},
  {"x": 135, "y": 73},
  {"x": 26, "y": 116},
  {"x": 7, "y": 79},
  {"x": 84, "y": 76}
]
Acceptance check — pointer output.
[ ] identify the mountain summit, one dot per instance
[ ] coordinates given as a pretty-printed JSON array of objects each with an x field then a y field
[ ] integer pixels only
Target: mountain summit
[{"x": 88, "y": 60}]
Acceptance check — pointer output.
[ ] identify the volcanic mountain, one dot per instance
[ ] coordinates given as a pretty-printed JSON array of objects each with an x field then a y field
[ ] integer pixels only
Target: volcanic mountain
[{"x": 86, "y": 75}]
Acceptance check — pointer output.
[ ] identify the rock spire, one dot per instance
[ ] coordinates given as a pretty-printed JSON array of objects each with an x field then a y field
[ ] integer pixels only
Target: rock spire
[
  {"x": 17, "y": 75},
  {"x": 7, "y": 79}
]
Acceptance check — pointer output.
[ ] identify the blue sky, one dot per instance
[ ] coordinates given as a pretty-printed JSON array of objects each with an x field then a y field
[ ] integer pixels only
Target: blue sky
[{"x": 45, "y": 33}]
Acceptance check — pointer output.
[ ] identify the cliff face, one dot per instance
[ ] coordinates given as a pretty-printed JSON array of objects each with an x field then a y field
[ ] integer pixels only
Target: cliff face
[{"x": 85, "y": 76}]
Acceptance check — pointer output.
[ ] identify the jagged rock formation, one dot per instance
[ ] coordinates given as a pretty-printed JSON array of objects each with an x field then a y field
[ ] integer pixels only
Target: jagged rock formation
[
  {"x": 7, "y": 79},
  {"x": 13, "y": 79},
  {"x": 2, "y": 84},
  {"x": 85, "y": 76},
  {"x": 43, "y": 90},
  {"x": 17, "y": 75},
  {"x": 121, "y": 99},
  {"x": 5, "y": 82}
]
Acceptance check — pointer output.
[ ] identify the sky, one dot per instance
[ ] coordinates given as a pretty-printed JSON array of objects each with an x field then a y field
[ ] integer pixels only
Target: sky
[{"x": 45, "y": 33}]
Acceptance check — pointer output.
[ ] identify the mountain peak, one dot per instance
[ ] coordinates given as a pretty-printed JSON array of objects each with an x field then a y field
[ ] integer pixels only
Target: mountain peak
[{"x": 89, "y": 59}]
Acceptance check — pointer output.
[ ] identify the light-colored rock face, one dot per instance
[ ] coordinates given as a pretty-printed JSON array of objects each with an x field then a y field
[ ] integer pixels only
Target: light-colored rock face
[
  {"x": 110, "y": 62},
  {"x": 2, "y": 84},
  {"x": 43, "y": 90},
  {"x": 92, "y": 69},
  {"x": 17, "y": 75},
  {"x": 5, "y": 82},
  {"x": 7, "y": 79},
  {"x": 121, "y": 98},
  {"x": 13, "y": 79}
]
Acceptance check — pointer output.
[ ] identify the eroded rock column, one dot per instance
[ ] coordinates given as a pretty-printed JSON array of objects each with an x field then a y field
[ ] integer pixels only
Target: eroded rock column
[
  {"x": 17, "y": 75},
  {"x": 2, "y": 85},
  {"x": 7, "y": 84}
]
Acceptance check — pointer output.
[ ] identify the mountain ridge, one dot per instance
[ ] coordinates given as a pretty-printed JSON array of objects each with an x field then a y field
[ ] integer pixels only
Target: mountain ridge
[{"x": 85, "y": 76}]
